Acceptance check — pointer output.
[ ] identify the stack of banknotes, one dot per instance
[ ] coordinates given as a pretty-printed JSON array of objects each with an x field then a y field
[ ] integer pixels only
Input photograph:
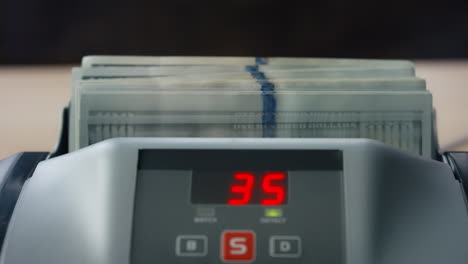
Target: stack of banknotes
[{"x": 132, "y": 96}]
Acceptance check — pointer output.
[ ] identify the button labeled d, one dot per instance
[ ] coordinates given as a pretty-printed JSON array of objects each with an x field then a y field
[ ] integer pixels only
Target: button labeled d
[{"x": 285, "y": 246}]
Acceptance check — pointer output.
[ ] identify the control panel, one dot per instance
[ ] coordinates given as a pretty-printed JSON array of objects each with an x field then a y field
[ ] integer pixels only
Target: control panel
[{"x": 275, "y": 206}]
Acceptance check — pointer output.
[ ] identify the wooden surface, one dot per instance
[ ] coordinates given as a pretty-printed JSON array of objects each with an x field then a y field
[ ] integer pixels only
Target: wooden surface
[{"x": 32, "y": 98}]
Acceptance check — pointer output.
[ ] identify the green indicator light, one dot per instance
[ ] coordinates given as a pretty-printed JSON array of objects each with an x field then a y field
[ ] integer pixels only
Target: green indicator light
[{"x": 273, "y": 212}]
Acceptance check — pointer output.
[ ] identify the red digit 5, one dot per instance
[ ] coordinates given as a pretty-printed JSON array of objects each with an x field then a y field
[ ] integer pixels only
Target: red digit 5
[{"x": 277, "y": 190}]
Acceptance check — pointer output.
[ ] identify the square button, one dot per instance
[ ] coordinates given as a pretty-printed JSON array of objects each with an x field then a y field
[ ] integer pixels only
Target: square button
[
  {"x": 191, "y": 245},
  {"x": 285, "y": 246},
  {"x": 238, "y": 246}
]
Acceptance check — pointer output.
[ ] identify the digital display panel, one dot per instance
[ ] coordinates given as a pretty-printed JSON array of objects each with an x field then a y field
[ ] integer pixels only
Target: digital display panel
[
  {"x": 239, "y": 187},
  {"x": 240, "y": 177}
]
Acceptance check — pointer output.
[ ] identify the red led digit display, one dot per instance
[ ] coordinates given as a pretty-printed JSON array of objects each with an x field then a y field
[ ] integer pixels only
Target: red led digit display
[
  {"x": 265, "y": 188},
  {"x": 240, "y": 187},
  {"x": 244, "y": 189},
  {"x": 273, "y": 183}
]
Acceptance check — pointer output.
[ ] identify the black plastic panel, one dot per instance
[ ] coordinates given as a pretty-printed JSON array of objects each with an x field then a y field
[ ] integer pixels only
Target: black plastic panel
[
  {"x": 459, "y": 163},
  {"x": 180, "y": 159}
]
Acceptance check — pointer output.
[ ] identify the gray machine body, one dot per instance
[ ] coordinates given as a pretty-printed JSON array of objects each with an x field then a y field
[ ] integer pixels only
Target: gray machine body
[{"x": 394, "y": 207}]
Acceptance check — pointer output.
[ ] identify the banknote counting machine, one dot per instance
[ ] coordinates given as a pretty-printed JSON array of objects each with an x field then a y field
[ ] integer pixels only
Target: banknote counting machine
[{"x": 233, "y": 199}]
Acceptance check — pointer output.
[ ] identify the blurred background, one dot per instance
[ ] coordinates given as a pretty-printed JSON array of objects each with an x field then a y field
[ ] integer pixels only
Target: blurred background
[
  {"x": 54, "y": 31},
  {"x": 41, "y": 40}
]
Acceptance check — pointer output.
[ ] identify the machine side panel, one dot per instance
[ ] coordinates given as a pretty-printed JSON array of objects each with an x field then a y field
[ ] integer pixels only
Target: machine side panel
[
  {"x": 420, "y": 212},
  {"x": 14, "y": 171},
  {"x": 76, "y": 208}
]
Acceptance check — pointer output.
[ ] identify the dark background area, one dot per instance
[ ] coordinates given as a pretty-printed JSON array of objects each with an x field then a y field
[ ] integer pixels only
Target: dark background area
[{"x": 57, "y": 31}]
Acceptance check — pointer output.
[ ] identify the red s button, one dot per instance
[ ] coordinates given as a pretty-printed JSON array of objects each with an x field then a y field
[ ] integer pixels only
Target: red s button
[{"x": 238, "y": 246}]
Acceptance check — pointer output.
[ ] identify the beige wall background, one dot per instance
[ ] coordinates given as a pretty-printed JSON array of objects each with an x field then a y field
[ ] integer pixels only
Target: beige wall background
[{"x": 32, "y": 98}]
